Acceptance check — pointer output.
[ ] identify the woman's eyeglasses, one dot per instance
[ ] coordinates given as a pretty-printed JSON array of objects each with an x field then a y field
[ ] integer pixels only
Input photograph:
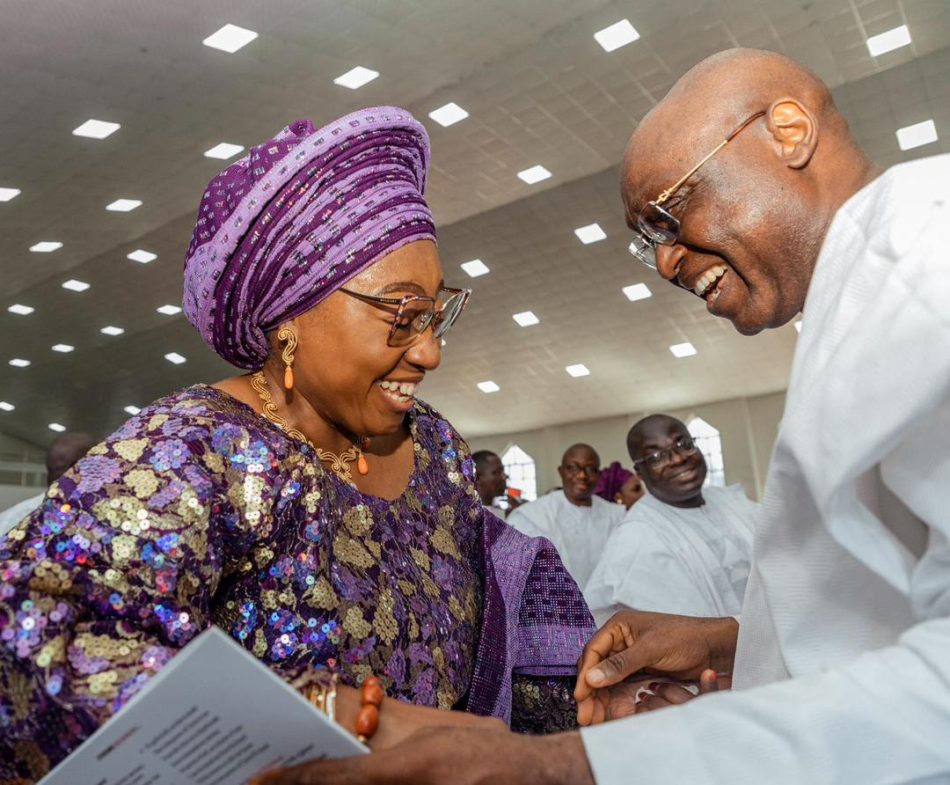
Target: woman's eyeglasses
[
  {"x": 657, "y": 225},
  {"x": 415, "y": 313}
]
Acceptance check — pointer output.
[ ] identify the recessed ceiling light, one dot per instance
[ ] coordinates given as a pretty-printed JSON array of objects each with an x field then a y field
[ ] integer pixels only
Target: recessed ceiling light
[
  {"x": 534, "y": 174},
  {"x": 224, "y": 150},
  {"x": 169, "y": 310},
  {"x": 18, "y": 362},
  {"x": 142, "y": 256},
  {"x": 110, "y": 330},
  {"x": 175, "y": 357},
  {"x": 7, "y": 407},
  {"x": 617, "y": 35},
  {"x": 123, "y": 205},
  {"x": 449, "y": 114},
  {"x": 889, "y": 40},
  {"x": 637, "y": 291},
  {"x": 798, "y": 325},
  {"x": 96, "y": 129},
  {"x": 683, "y": 349},
  {"x": 65, "y": 348},
  {"x": 47, "y": 246},
  {"x": 230, "y": 38},
  {"x": 75, "y": 286},
  {"x": 475, "y": 268},
  {"x": 488, "y": 387},
  {"x": 526, "y": 318},
  {"x": 55, "y": 426},
  {"x": 6, "y": 194},
  {"x": 133, "y": 410},
  {"x": 21, "y": 310},
  {"x": 577, "y": 370},
  {"x": 591, "y": 233},
  {"x": 912, "y": 136},
  {"x": 356, "y": 77}
]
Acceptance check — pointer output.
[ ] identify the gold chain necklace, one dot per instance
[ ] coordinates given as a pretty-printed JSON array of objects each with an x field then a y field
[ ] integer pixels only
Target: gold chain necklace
[{"x": 339, "y": 464}]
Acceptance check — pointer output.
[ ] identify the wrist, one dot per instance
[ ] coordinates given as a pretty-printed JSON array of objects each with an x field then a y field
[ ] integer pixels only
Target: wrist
[
  {"x": 721, "y": 636},
  {"x": 563, "y": 760}
]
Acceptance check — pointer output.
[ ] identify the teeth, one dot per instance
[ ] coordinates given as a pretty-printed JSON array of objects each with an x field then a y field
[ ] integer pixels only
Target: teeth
[
  {"x": 402, "y": 390},
  {"x": 708, "y": 278}
]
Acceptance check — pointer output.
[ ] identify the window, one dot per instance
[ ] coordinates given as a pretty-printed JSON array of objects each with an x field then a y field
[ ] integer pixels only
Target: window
[
  {"x": 522, "y": 473},
  {"x": 709, "y": 442}
]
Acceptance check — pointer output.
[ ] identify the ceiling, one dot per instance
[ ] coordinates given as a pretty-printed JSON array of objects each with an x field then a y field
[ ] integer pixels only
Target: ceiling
[{"x": 539, "y": 90}]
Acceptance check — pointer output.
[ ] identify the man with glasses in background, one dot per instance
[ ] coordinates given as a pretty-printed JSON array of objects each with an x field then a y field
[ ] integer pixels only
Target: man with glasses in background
[
  {"x": 682, "y": 548},
  {"x": 575, "y": 519}
]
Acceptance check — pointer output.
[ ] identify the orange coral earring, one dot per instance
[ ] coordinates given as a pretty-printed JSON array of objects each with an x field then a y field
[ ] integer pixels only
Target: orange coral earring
[{"x": 288, "y": 335}]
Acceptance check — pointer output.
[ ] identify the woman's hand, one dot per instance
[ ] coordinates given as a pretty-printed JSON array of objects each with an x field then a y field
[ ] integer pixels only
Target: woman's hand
[{"x": 658, "y": 643}]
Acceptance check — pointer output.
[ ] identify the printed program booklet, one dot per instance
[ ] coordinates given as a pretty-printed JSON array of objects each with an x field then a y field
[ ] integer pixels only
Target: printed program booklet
[{"x": 214, "y": 715}]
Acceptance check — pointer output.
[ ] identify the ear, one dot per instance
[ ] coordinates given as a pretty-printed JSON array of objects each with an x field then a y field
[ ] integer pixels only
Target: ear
[{"x": 795, "y": 131}]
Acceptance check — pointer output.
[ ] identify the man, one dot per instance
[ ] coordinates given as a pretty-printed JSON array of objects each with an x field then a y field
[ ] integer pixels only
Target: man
[
  {"x": 682, "y": 549},
  {"x": 491, "y": 481},
  {"x": 842, "y": 666},
  {"x": 574, "y": 519},
  {"x": 63, "y": 453}
]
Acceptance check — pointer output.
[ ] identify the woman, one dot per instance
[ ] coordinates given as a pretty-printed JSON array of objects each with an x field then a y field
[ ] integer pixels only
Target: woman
[
  {"x": 619, "y": 485},
  {"x": 314, "y": 508}
]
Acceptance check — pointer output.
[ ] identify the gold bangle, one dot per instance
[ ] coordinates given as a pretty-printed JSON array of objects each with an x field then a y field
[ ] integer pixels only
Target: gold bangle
[{"x": 323, "y": 694}]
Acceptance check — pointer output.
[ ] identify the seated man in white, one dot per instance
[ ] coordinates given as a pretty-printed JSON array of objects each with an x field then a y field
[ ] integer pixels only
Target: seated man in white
[
  {"x": 682, "y": 548},
  {"x": 576, "y": 521}
]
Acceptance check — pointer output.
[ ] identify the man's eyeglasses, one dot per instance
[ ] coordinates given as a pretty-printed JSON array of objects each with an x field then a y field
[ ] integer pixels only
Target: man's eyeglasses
[
  {"x": 658, "y": 226},
  {"x": 685, "y": 446},
  {"x": 415, "y": 313},
  {"x": 573, "y": 469}
]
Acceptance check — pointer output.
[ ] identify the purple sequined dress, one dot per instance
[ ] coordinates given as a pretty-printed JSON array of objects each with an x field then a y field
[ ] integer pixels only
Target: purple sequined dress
[{"x": 198, "y": 512}]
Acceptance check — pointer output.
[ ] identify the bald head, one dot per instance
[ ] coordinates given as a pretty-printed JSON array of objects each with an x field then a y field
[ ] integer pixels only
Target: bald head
[
  {"x": 579, "y": 469},
  {"x": 64, "y": 452},
  {"x": 752, "y": 218}
]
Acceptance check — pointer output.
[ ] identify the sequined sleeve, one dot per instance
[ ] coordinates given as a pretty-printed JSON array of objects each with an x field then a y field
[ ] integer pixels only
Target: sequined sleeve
[
  {"x": 542, "y": 704},
  {"x": 115, "y": 572}
]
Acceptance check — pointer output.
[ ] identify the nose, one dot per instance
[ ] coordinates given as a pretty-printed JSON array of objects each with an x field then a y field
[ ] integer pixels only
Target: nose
[
  {"x": 676, "y": 457},
  {"x": 426, "y": 352},
  {"x": 669, "y": 259}
]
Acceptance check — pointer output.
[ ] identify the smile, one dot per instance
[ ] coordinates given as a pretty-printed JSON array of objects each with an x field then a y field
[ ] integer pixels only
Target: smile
[
  {"x": 708, "y": 282},
  {"x": 400, "y": 392}
]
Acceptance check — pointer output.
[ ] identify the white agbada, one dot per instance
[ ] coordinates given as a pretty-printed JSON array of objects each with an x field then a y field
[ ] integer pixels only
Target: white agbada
[
  {"x": 578, "y": 533},
  {"x": 13, "y": 515},
  {"x": 850, "y": 588},
  {"x": 692, "y": 561}
]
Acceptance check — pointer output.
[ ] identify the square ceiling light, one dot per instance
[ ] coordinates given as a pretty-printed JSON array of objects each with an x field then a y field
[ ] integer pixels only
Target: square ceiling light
[
  {"x": 7, "y": 407},
  {"x": 355, "y": 78},
  {"x": 888, "y": 41},
  {"x": 223, "y": 150},
  {"x": 55, "y": 426},
  {"x": 175, "y": 357},
  {"x": 96, "y": 129},
  {"x": 6, "y": 194},
  {"x": 683, "y": 349},
  {"x": 64, "y": 348},
  {"x": 46, "y": 246},
  {"x": 19, "y": 362},
  {"x": 636, "y": 291},
  {"x": 578, "y": 370},
  {"x": 21, "y": 310},
  {"x": 534, "y": 174},
  {"x": 449, "y": 114},
  {"x": 123, "y": 205},
  {"x": 75, "y": 286},
  {"x": 592, "y": 233},
  {"x": 133, "y": 410},
  {"x": 169, "y": 310},
  {"x": 230, "y": 38},
  {"x": 526, "y": 318},
  {"x": 111, "y": 330},
  {"x": 142, "y": 256},
  {"x": 617, "y": 35},
  {"x": 475, "y": 268},
  {"x": 488, "y": 387},
  {"x": 916, "y": 135}
]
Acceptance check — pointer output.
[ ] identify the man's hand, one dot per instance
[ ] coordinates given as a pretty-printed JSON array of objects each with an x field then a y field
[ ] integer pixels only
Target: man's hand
[
  {"x": 633, "y": 641},
  {"x": 460, "y": 756}
]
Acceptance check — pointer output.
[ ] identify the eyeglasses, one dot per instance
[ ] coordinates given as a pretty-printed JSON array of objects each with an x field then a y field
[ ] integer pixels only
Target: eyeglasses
[
  {"x": 684, "y": 446},
  {"x": 658, "y": 226},
  {"x": 573, "y": 469},
  {"x": 415, "y": 313}
]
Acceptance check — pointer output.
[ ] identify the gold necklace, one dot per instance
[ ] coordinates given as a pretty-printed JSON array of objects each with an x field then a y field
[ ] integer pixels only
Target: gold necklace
[{"x": 338, "y": 463}]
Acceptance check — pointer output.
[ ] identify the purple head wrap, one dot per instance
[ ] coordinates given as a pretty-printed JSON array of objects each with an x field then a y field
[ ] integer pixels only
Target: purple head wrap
[
  {"x": 610, "y": 481},
  {"x": 299, "y": 216}
]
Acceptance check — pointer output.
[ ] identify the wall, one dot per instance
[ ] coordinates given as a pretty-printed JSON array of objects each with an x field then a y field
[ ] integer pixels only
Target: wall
[{"x": 748, "y": 427}]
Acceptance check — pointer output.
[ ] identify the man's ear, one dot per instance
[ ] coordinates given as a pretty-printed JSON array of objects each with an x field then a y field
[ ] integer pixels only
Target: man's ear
[{"x": 795, "y": 131}]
